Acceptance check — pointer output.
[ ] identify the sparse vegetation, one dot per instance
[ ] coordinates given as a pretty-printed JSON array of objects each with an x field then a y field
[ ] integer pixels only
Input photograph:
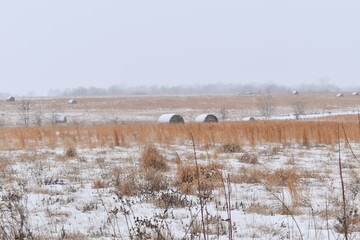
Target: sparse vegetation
[{"x": 229, "y": 180}]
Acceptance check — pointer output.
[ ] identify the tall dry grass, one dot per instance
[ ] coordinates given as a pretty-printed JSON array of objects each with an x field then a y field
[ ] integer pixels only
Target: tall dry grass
[{"x": 239, "y": 133}]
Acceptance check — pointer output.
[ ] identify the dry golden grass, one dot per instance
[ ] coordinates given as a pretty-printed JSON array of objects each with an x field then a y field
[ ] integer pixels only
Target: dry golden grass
[
  {"x": 253, "y": 133},
  {"x": 230, "y": 148},
  {"x": 99, "y": 183},
  {"x": 342, "y": 118},
  {"x": 125, "y": 181},
  {"x": 258, "y": 209},
  {"x": 129, "y": 181},
  {"x": 280, "y": 177},
  {"x": 188, "y": 178},
  {"x": 152, "y": 159},
  {"x": 248, "y": 158}
]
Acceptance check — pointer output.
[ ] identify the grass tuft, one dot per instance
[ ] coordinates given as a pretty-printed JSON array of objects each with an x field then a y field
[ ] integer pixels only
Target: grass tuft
[{"x": 152, "y": 159}]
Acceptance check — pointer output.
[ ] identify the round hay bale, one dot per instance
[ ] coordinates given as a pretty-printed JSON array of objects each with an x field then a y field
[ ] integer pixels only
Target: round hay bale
[
  {"x": 10, "y": 99},
  {"x": 171, "y": 118},
  {"x": 248, "y": 119},
  {"x": 206, "y": 118}
]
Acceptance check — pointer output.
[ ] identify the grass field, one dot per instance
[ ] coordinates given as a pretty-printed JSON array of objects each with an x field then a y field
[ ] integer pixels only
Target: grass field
[
  {"x": 137, "y": 109},
  {"x": 94, "y": 178}
]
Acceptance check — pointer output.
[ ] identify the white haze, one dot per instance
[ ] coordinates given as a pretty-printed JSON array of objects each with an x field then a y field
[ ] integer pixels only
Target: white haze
[{"x": 68, "y": 44}]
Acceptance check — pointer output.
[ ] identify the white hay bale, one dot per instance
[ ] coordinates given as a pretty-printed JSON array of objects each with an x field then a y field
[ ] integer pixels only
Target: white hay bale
[
  {"x": 10, "y": 99},
  {"x": 295, "y": 92},
  {"x": 339, "y": 95},
  {"x": 355, "y": 93},
  {"x": 60, "y": 119},
  {"x": 170, "y": 118},
  {"x": 72, "y": 101},
  {"x": 248, "y": 119},
  {"x": 206, "y": 118}
]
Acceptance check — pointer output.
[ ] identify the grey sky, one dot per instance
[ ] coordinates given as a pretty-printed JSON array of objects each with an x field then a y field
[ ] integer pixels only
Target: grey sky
[{"x": 71, "y": 43}]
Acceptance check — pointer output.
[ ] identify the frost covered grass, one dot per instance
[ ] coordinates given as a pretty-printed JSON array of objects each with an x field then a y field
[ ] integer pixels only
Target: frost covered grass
[{"x": 265, "y": 180}]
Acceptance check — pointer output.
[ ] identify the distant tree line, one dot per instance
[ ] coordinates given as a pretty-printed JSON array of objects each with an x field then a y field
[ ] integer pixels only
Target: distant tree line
[{"x": 218, "y": 88}]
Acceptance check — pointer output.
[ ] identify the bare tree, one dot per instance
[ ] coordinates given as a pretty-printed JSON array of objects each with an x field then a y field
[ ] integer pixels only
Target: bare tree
[
  {"x": 38, "y": 115},
  {"x": 267, "y": 106},
  {"x": 53, "y": 114},
  {"x": 24, "y": 111},
  {"x": 223, "y": 113},
  {"x": 2, "y": 120},
  {"x": 299, "y": 108}
]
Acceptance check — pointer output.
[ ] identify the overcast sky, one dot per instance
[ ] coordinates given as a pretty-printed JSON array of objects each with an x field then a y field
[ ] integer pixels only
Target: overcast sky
[{"x": 70, "y": 43}]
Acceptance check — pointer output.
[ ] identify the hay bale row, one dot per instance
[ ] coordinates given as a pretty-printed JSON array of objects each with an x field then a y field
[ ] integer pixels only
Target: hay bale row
[
  {"x": 176, "y": 118},
  {"x": 339, "y": 95}
]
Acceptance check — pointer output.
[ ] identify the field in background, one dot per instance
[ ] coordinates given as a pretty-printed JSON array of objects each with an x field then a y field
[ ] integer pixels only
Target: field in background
[{"x": 137, "y": 109}]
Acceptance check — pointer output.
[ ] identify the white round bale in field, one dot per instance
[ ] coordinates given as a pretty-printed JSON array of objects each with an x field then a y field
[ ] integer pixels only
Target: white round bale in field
[
  {"x": 171, "y": 118},
  {"x": 10, "y": 99},
  {"x": 248, "y": 119},
  {"x": 60, "y": 119},
  {"x": 206, "y": 118}
]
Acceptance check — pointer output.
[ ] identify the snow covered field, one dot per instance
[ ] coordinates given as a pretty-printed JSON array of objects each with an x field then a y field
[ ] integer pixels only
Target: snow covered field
[
  {"x": 148, "y": 189},
  {"x": 268, "y": 192}
]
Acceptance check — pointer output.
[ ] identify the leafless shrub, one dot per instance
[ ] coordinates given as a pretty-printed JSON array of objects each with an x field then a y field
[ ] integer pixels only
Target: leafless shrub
[
  {"x": 150, "y": 228},
  {"x": 153, "y": 181},
  {"x": 53, "y": 181},
  {"x": 90, "y": 206},
  {"x": 99, "y": 183},
  {"x": 280, "y": 177},
  {"x": 14, "y": 223},
  {"x": 351, "y": 225},
  {"x": 266, "y": 106},
  {"x": 215, "y": 226},
  {"x": 71, "y": 152},
  {"x": 172, "y": 199},
  {"x": 131, "y": 181},
  {"x": 258, "y": 209},
  {"x": 249, "y": 158},
  {"x": 283, "y": 177},
  {"x": 125, "y": 181},
  {"x": 2, "y": 120},
  {"x": 223, "y": 113},
  {"x": 298, "y": 108},
  {"x": 151, "y": 158},
  {"x": 54, "y": 113},
  {"x": 230, "y": 148},
  {"x": 187, "y": 175},
  {"x": 38, "y": 117},
  {"x": 24, "y": 111},
  {"x": 4, "y": 167}
]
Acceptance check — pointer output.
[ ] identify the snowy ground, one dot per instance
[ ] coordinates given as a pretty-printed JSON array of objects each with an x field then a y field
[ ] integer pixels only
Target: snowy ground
[{"x": 76, "y": 196}]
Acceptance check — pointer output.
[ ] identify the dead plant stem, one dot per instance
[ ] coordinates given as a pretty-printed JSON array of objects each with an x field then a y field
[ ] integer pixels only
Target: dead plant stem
[
  {"x": 201, "y": 198},
  {"x": 345, "y": 223}
]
